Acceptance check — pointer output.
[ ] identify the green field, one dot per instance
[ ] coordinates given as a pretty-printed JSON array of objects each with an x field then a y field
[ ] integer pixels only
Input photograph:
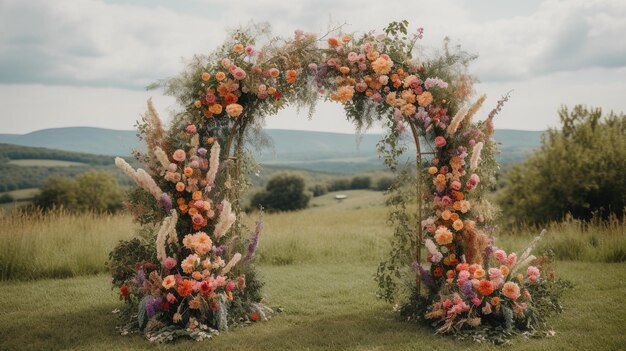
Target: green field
[
  {"x": 23, "y": 194},
  {"x": 318, "y": 265},
  {"x": 45, "y": 163}
]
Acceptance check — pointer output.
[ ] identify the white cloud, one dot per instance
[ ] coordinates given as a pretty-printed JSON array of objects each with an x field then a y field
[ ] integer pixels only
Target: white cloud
[{"x": 549, "y": 51}]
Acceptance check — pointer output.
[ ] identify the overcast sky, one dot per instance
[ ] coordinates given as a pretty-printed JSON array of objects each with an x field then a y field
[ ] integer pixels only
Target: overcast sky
[{"x": 86, "y": 62}]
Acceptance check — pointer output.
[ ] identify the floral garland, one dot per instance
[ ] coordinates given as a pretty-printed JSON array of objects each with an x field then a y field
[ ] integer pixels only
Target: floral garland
[{"x": 195, "y": 175}]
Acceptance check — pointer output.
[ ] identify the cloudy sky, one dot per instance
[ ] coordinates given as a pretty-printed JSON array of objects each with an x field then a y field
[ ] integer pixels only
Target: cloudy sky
[{"x": 86, "y": 62}]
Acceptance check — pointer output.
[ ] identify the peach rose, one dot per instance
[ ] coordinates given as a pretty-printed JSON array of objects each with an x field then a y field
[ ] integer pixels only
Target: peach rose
[
  {"x": 234, "y": 110},
  {"x": 425, "y": 99},
  {"x": 179, "y": 155}
]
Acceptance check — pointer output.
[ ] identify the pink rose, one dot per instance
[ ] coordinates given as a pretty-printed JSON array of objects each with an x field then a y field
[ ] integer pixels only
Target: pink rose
[
  {"x": 169, "y": 263},
  {"x": 230, "y": 286},
  {"x": 312, "y": 66},
  {"x": 179, "y": 155},
  {"x": 500, "y": 255},
  {"x": 377, "y": 97},
  {"x": 456, "y": 185},
  {"x": 446, "y": 200},
  {"x": 197, "y": 219},
  {"x": 226, "y": 63},
  {"x": 239, "y": 73},
  {"x": 249, "y": 50},
  {"x": 191, "y": 129},
  {"x": 512, "y": 259},
  {"x": 440, "y": 141}
]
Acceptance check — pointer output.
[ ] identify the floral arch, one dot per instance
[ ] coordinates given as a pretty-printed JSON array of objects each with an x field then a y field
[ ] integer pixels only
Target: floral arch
[{"x": 194, "y": 273}]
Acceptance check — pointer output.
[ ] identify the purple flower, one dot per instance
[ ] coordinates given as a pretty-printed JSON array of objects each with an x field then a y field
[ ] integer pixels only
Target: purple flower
[
  {"x": 254, "y": 241},
  {"x": 468, "y": 289},
  {"x": 153, "y": 305},
  {"x": 425, "y": 275},
  {"x": 140, "y": 278},
  {"x": 219, "y": 250},
  {"x": 166, "y": 202}
]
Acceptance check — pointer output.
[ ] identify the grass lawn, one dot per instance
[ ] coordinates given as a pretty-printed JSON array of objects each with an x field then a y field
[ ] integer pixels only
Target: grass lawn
[{"x": 327, "y": 307}]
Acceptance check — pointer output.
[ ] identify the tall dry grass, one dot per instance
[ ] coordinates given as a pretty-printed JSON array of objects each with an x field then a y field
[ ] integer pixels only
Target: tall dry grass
[{"x": 58, "y": 244}]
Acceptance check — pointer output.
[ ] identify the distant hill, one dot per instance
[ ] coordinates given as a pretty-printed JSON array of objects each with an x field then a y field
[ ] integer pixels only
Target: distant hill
[
  {"x": 319, "y": 151},
  {"x": 89, "y": 140}
]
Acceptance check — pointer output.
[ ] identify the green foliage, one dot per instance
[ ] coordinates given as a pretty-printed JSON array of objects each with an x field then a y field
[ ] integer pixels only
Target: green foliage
[
  {"x": 124, "y": 258},
  {"x": 92, "y": 191},
  {"x": 318, "y": 190},
  {"x": 339, "y": 184},
  {"x": 361, "y": 182},
  {"x": 384, "y": 183},
  {"x": 6, "y": 198},
  {"x": 579, "y": 170},
  {"x": 284, "y": 192}
]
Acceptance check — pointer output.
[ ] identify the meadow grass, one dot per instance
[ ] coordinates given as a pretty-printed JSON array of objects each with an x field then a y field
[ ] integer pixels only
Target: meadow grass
[
  {"x": 318, "y": 265},
  {"x": 58, "y": 244},
  {"x": 45, "y": 163}
]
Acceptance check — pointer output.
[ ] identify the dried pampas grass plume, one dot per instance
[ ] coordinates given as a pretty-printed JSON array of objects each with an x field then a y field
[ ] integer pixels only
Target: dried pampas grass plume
[{"x": 474, "y": 108}]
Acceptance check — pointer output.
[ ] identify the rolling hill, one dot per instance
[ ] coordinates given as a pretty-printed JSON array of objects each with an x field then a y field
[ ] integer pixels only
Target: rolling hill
[{"x": 321, "y": 151}]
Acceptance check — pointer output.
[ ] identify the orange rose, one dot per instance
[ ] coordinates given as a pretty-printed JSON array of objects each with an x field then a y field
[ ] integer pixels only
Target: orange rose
[
  {"x": 432, "y": 170},
  {"x": 234, "y": 110},
  {"x": 185, "y": 288},
  {"x": 197, "y": 195},
  {"x": 504, "y": 270},
  {"x": 197, "y": 103},
  {"x": 205, "y": 76},
  {"x": 485, "y": 287},
  {"x": 210, "y": 140},
  {"x": 344, "y": 70},
  {"x": 495, "y": 301},
  {"x": 193, "y": 211},
  {"x": 291, "y": 76},
  {"x": 345, "y": 38},
  {"x": 180, "y": 186},
  {"x": 425, "y": 99},
  {"x": 220, "y": 76},
  {"x": 457, "y": 225},
  {"x": 216, "y": 109},
  {"x": 188, "y": 171},
  {"x": 238, "y": 48},
  {"x": 333, "y": 41}
]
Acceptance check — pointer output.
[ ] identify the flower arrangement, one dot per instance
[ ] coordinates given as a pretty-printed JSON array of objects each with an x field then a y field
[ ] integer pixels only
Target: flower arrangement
[{"x": 197, "y": 171}]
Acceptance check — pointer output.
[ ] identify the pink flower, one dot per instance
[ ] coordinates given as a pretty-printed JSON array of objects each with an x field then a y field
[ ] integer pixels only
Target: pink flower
[
  {"x": 226, "y": 63},
  {"x": 500, "y": 255},
  {"x": 249, "y": 50},
  {"x": 476, "y": 301},
  {"x": 361, "y": 87},
  {"x": 312, "y": 66},
  {"x": 377, "y": 97},
  {"x": 199, "y": 204},
  {"x": 191, "y": 129},
  {"x": 230, "y": 286},
  {"x": 239, "y": 73},
  {"x": 446, "y": 200},
  {"x": 511, "y": 290},
  {"x": 533, "y": 273},
  {"x": 456, "y": 185},
  {"x": 179, "y": 155},
  {"x": 362, "y": 66},
  {"x": 170, "y": 263},
  {"x": 512, "y": 259},
  {"x": 440, "y": 141},
  {"x": 170, "y": 298},
  {"x": 197, "y": 219},
  {"x": 352, "y": 56}
]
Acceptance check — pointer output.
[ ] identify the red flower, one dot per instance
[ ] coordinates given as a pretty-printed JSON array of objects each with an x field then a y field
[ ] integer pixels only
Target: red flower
[
  {"x": 124, "y": 291},
  {"x": 165, "y": 306},
  {"x": 438, "y": 272},
  {"x": 254, "y": 316}
]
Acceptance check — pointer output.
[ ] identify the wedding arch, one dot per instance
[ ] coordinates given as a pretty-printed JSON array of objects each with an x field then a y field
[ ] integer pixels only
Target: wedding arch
[{"x": 194, "y": 276}]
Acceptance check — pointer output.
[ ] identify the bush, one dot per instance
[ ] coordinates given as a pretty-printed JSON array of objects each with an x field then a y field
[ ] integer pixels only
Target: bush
[
  {"x": 96, "y": 191},
  {"x": 384, "y": 183},
  {"x": 577, "y": 170},
  {"x": 361, "y": 182},
  {"x": 318, "y": 190},
  {"x": 284, "y": 192},
  {"x": 339, "y": 184},
  {"x": 6, "y": 198}
]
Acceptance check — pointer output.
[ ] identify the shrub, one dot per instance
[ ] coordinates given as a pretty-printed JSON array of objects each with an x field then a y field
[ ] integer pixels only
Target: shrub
[
  {"x": 578, "y": 170},
  {"x": 339, "y": 184},
  {"x": 318, "y": 190},
  {"x": 384, "y": 183},
  {"x": 96, "y": 191},
  {"x": 6, "y": 198},
  {"x": 361, "y": 182},
  {"x": 284, "y": 192}
]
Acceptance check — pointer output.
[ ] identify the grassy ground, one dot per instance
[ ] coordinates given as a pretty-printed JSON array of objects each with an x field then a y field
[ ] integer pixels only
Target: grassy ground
[
  {"x": 318, "y": 265},
  {"x": 327, "y": 307},
  {"x": 23, "y": 194}
]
